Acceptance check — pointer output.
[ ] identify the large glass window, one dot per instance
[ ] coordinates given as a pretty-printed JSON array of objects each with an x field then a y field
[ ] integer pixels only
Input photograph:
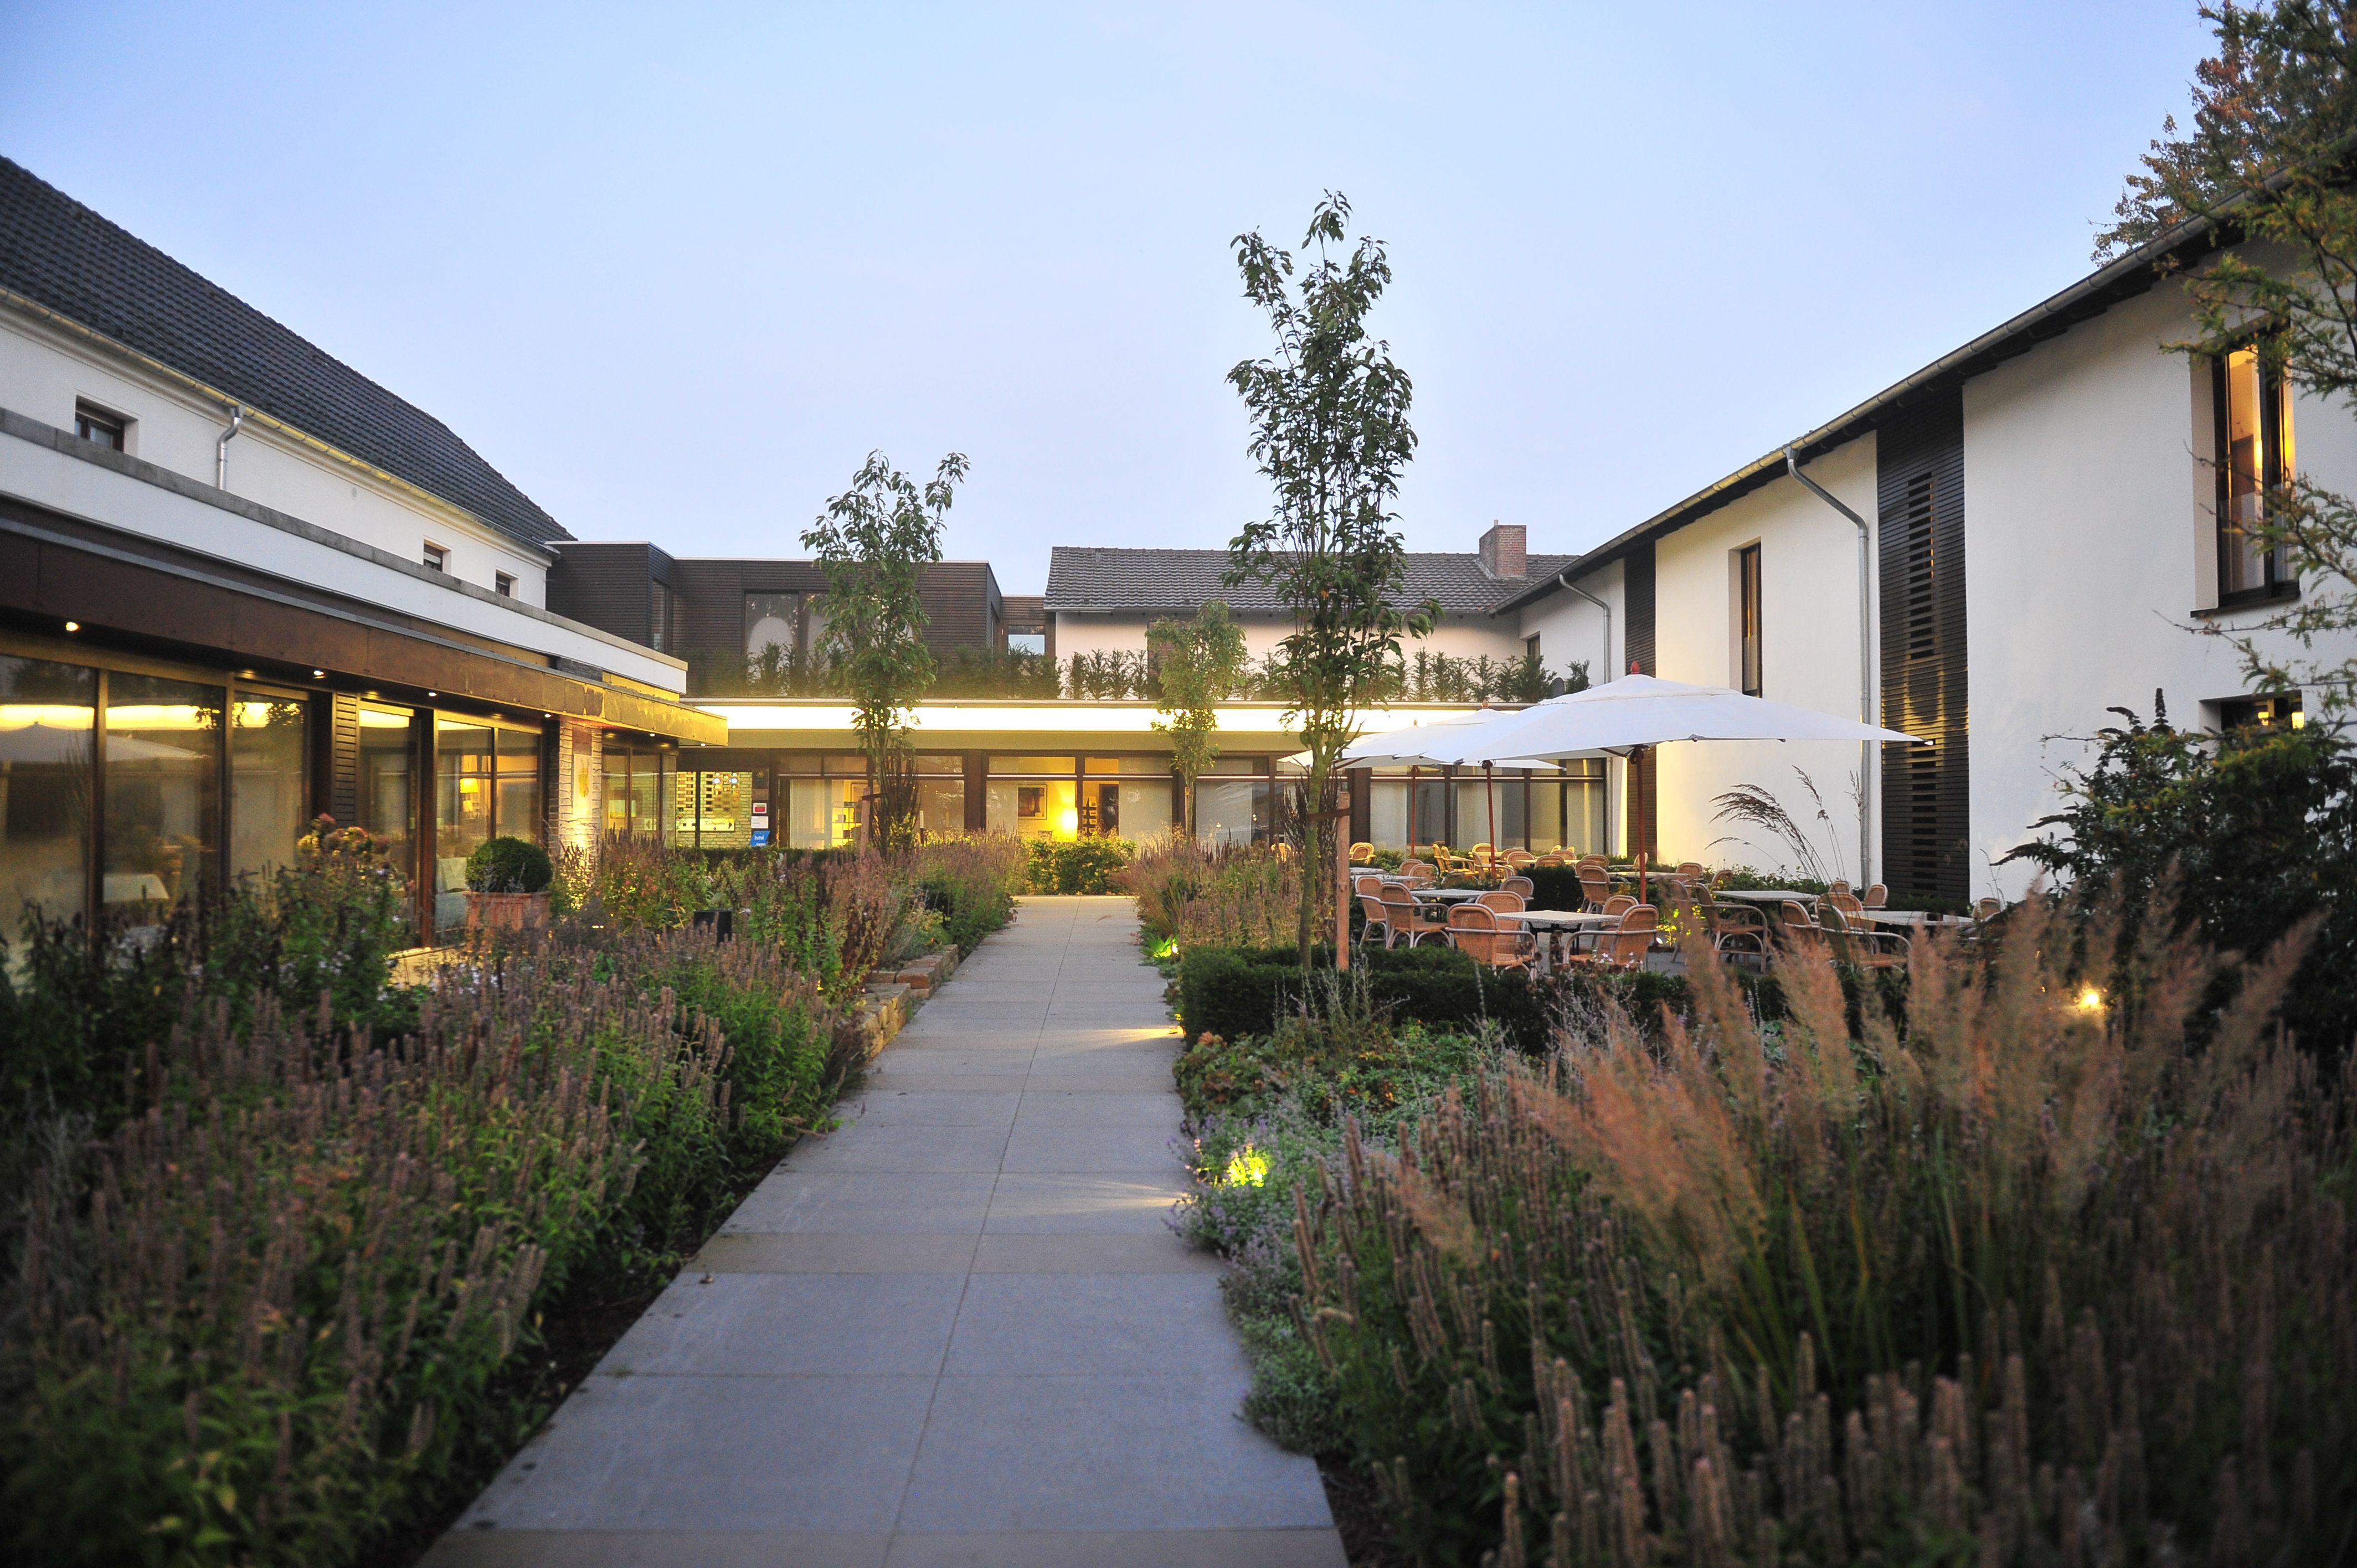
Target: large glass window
[
  {"x": 1033, "y": 797},
  {"x": 940, "y": 793},
  {"x": 388, "y": 790},
  {"x": 519, "y": 810},
  {"x": 464, "y": 778},
  {"x": 163, "y": 789},
  {"x": 1235, "y": 801},
  {"x": 1489, "y": 810},
  {"x": 48, "y": 766},
  {"x": 269, "y": 794},
  {"x": 2255, "y": 442}
]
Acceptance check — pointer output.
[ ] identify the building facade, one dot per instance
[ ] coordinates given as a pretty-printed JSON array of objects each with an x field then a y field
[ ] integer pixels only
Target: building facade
[
  {"x": 2055, "y": 521},
  {"x": 242, "y": 586}
]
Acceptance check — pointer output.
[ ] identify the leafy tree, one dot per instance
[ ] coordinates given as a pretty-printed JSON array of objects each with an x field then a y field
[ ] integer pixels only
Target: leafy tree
[
  {"x": 2243, "y": 834},
  {"x": 2267, "y": 162},
  {"x": 1200, "y": 663},
  {"x": 1329, "y": 429},
  {"x": 875, "y": 540}
]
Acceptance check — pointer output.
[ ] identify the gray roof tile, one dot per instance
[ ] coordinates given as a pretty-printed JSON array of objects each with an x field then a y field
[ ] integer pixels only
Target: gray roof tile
[
  {"x": 60, "y": 253},
  {"x": 1174, "y": 581}
]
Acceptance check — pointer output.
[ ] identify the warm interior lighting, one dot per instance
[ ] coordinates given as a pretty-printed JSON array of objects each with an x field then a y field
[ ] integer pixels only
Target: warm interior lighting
[
  {"x": 2298, "y": 720},
  {"x": 2090, "y": 1000},
  {"x": 1072, "y": 820},
  {"x": 73, "y": 626},
  {"x": 319, "y": 674}
]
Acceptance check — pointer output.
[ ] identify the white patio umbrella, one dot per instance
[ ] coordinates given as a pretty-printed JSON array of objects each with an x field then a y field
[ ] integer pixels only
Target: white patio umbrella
[{"x": 1628, "y": 716}]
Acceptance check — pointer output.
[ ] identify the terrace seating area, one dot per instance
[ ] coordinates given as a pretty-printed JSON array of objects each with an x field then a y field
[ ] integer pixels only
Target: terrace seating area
[{"x": 1630, "y": 917}]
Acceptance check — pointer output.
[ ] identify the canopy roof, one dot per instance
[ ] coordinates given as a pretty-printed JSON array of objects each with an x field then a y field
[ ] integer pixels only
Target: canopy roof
[{"x": 1634, "y": 711}]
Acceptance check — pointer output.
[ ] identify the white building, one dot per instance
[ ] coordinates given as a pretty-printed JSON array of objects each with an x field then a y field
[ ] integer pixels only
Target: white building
[
  {"x": 241, "y": 585},
  {"x": 2047, "y": 534}
]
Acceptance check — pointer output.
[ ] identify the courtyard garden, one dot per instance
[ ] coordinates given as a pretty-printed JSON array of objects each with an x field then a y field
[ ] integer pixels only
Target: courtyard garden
[{"x": 304, "y": 1237}]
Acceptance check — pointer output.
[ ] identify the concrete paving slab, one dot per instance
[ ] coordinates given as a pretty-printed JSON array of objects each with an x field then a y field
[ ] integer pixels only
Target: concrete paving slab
[
  {"x": 1035, "y": 1147},
  {"x": 1135, "y": 1203},
  {"x": 903, "y": 1147},
  {"x": 756, "y": 1325},
  {"x": 1106, "y": 1108},
  {"x": 661, "y": 1548},
  {"x": 879, "y": 1202},
  {"x": 933, "y": 1108},
  {"x": 1095, "y": 1453},
  {"x": 820, "y": 1253},
  {"x": 1001, "y": 1254},
  {"x": 1014, "y": 1324},
  {"x": 1127, "y": 1548}
]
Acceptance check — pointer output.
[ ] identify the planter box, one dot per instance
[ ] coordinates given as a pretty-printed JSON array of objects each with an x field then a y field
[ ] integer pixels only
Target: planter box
[
  {"x": 506, "y": 912},
  {"x": 924, "y": 975}
]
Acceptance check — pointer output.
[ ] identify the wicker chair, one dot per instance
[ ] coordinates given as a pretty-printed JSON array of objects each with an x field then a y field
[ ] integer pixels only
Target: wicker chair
[
  {"x": 1619, "y": 903},
  {"x": 1859, "y": 944},
  {"x": 1503, "y": 902},
  {"x": 1378, "y": 913},
  {"x": 1740, "y": 928},
  {"x": 1474, "y": 930},
  {"x": 1522, "y": 886},
  {"x": 1877, "y": 897},
  {"x": 1404, "y": 920},
  {"x": 1362, "y": 853},
  {"x": 1624, "y": 946},
  {"x": 1594, "y": 886},
  {"x": 1518, "y": 858}
]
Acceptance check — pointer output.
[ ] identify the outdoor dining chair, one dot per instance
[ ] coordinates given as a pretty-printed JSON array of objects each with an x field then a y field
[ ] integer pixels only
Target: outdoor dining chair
[
  {"x": 1403, "y": 919},
  {"x": 1505, "y": 903},
  {"x": 1518, "y": 858},
  {"x": 1378, "y": 913},
  {"x": 1859, "y": 944},
  {"x": 1473, "y": 931},
  {"x": 1362, "y": 853},
  {"x": 1618, "y": 903},
  {"x": 1623, "y": 946},
  {"x": 1594, "y": 884},
  {"x": 1522, "y": 886},
  {"x": 1739, "y": 928}
]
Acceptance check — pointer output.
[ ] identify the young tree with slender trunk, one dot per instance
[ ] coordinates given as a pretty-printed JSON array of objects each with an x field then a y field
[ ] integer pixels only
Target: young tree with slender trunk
[
  {"x": 1198, "y": 664},
  {"x": 875, "y": 540},
  {"x": 1329, "y": 428},
  {"x": 2270, "y": 164}
]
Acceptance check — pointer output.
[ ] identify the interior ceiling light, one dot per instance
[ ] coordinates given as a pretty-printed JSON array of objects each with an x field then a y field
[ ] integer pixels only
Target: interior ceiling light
[
  {"x": 73, "y": 626},
  {"x": 319, "y": 674}
]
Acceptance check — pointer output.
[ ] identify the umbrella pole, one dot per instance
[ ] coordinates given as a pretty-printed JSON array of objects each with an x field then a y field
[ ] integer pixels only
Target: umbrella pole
[
  {"x": 1489, "y": 782},
  {"x": 1636, "y": 788}
]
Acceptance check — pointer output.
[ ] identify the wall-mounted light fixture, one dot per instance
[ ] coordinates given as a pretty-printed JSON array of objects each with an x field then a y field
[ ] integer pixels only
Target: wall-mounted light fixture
[{"x": 73, "y": 626}]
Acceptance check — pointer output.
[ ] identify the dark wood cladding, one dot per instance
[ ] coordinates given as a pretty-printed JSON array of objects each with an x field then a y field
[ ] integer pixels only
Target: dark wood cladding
[
  {"x": 341, "y": 796},
  {"x": 1644, "y": 778},
  {"x": 961, "y": 599},
  {"x": 1926, "y": 789},
  {"x": 156, "y": 605},
  {"x": 604, "y": 585}
]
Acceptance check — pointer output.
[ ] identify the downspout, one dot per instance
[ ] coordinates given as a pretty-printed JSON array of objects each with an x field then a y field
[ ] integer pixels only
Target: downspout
[
  {"x": 1563, "y": 580},
  {"x": 1864, "y": 670},
  {"x": 221, "y": 447}
]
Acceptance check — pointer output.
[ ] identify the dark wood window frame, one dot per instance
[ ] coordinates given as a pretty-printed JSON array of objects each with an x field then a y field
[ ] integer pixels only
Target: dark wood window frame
[
  {"x": 1751, "y": 660},
  {"x": 2274, "y": 419},
  {"x": 93, "y": 421}
]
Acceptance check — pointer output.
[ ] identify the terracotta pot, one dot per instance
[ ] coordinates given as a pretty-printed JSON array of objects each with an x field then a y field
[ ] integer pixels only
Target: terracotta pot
[{"x": 506, "y": 912}]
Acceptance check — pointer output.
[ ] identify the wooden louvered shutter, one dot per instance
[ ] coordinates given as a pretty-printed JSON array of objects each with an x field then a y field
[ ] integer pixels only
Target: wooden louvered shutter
[
  {"x": 1926, "y": 789},
  {"x": 1644, "y": 779}
]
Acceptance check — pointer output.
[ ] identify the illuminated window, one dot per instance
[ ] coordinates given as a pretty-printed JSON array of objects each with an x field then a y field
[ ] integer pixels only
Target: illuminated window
[
  {"x": 2254, "y": 441},
  {"x": 2279, "y": 712}
]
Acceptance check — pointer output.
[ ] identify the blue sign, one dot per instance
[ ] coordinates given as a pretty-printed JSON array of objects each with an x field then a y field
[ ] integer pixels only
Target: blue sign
[{"x": 761, "y": 838}]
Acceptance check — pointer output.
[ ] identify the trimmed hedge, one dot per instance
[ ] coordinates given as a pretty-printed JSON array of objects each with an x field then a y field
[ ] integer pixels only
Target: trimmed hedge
[{"x": 1233, "y": 992}]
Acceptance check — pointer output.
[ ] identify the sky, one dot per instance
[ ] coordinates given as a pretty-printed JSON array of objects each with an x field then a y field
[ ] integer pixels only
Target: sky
[{"x": 676, "y": 270}]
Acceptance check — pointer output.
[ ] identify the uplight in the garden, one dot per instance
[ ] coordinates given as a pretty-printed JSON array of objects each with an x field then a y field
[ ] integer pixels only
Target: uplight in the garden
[{"x": 1247, "y": 1167}]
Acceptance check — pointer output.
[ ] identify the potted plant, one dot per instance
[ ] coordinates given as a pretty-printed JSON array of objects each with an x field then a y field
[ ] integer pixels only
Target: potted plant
[{"x": 507, "y": 886}]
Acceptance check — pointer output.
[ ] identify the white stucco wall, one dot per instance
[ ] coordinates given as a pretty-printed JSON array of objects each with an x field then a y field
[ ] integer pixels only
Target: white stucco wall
[
  {"x": 2089, "y": 545},
  {"x": 1809, "y": 656},
  {"x": 1466, "y": 638},
  {"x": 43, "y": 371},
  {"x": 1570, "y": 628}
]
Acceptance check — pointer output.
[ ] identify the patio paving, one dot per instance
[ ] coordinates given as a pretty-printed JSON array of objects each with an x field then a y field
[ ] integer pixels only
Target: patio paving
[{"x": 955, "y": 1331}]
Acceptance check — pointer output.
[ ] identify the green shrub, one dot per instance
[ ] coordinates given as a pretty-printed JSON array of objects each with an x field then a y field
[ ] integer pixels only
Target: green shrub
[
  {"x": 1235, "y": 992},
  {"x": 1080, "y": 865},
  {"x": 971, "y": 881},
  {"x": 507, "y": 865}
]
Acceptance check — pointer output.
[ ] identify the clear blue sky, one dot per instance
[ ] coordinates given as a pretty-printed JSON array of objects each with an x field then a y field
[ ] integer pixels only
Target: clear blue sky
[{"x": 674, "y": 271}]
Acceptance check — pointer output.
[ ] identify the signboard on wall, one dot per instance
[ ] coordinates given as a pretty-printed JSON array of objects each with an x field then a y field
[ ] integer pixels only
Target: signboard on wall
[{"x": 761, "y": 838}]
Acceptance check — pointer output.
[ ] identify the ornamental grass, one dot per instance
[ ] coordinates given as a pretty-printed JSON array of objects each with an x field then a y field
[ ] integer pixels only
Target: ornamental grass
[
  {"x": 2045, "y": 1268},
  {"x": 1214, "y": 895}
]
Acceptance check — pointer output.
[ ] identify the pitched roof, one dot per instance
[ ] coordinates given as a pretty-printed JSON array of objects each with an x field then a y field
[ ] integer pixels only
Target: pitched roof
[
  {"x": 1174, "y": 581},
  {"x": 58, "y": 253}
]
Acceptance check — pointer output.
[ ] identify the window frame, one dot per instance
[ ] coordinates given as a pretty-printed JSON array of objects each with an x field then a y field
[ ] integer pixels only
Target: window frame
[
  {"x": 88, "y": 415},
  {"x": 503, "y": 585},
  {"x": 436, "y": 557},
  {"x": 1751, "y": 637},
  {"x": 2274, "y": 421}
]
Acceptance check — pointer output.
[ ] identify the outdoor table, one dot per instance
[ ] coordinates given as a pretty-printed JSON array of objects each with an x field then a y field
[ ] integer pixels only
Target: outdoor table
[
  {"x": 1447, "y": 895},
  {"x": 1555, "y": 923},
  {"x": 1904, "y": 918},
  {"x": 1766, "y": 894}
]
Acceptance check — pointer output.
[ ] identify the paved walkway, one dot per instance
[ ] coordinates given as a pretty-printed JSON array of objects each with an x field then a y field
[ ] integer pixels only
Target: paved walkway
[{"x": 956, "y": 1331}]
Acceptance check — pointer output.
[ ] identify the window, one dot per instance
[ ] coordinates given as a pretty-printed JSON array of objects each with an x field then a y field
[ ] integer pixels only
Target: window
[
  {"x": 47, "y": 722},
  {"x": 503, "y": 585},
  {"x": 268, "y": 787},
  {"x": 659, "y": 612},
  {"x": 1746, "y": 619},
  {"x": 1026, "y": 642},
  {"x": 438, "y": 559},
  {"x": 1531, "y": 648},
  {"x": 162, "y": 791},
  {"x": 2278, "y": 711},
  {"x": 92, "y": 422},
  {"x": 2255, "y": 445}
]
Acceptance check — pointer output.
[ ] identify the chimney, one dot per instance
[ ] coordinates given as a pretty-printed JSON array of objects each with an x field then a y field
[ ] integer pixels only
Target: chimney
[{"x": 1505, "y": 557}]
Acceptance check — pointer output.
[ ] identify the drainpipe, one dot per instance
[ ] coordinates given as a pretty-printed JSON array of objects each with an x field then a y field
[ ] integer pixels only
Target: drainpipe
[
  {"x": 221, "y": 447},
  {"x": 1864, "y": 670},
  {"x": 1563, "y": 580}
]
